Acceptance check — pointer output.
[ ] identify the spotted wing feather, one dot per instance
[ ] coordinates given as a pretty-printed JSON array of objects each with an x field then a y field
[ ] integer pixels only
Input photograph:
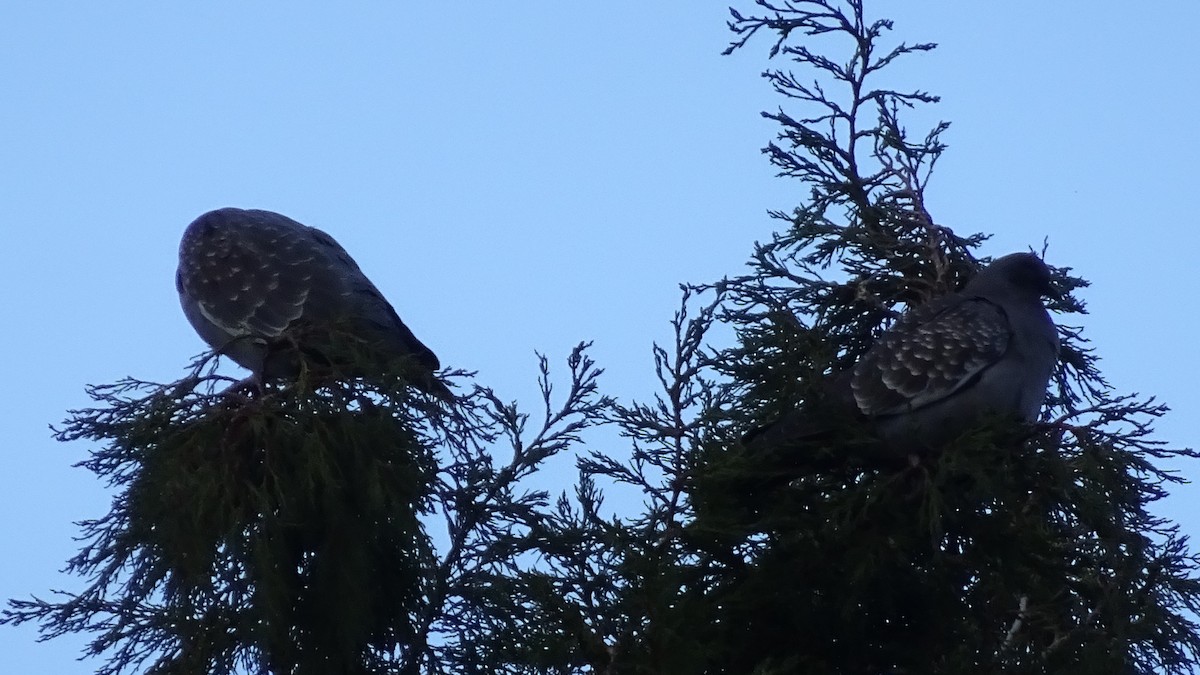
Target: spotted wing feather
[
  {"x": 258, "y": 274},
  {"x": 929, "y": 354}
]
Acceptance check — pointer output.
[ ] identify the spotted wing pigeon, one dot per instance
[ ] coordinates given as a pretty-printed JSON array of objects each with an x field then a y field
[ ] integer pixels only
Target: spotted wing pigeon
[
  {"x": 987, "y": 351},
  {"x": 264, "y": 290}
]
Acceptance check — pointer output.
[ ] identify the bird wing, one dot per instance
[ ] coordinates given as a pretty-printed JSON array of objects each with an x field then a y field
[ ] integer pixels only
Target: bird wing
[
  {"x": 250, "y": 273},
  {"x": 363, "y": 304},
  {"x": 929, "y": 354},
  {"x": 253, "y": 281}
]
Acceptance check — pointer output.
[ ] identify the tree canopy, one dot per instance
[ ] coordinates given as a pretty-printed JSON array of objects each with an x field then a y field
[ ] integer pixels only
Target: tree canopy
[{"x": 329, "y": 525}]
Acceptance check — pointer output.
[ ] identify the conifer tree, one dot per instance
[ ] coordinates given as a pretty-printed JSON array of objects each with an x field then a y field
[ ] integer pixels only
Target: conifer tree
[
  {"x": 331, "y": 526},
  {"x": 322, "y": 526},
  {"x": 1012, "y": 550}
]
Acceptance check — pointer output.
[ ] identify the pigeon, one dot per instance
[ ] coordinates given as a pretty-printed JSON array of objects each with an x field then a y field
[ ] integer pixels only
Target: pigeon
[
  {"x": 273, "y": 295},
  {"x": 987, "y": 351}
]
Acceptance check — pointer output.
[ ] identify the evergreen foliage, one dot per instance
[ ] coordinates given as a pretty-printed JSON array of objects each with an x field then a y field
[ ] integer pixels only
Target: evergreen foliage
[
  {"x": 336, "y": 526},
  {"x": 287, "y": 529},
  {"x": 1013, "y": 550}
]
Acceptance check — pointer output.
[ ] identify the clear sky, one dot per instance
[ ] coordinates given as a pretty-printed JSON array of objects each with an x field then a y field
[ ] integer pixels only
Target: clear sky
[{"x": 522, "y": 176}]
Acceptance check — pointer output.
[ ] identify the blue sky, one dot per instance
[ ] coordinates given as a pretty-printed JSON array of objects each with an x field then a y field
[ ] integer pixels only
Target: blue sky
[{"x": 522, "y": 176}]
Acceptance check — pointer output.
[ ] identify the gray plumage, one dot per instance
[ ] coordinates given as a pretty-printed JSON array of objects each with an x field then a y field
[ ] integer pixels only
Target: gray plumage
[
  {"x": 268, "y": 292},
  {"x": 944, "y": 367}
]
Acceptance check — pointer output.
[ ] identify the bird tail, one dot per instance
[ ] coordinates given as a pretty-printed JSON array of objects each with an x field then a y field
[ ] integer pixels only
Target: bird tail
[
  {"x": 432, "y": 385},
  {"x": 793, "y": 428}
]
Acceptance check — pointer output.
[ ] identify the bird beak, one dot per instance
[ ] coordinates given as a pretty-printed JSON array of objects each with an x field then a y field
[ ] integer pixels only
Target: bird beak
[{"x": 1054, "y": 292}]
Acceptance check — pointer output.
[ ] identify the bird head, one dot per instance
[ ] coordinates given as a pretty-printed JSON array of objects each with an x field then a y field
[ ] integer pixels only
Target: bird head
[{"x": 1024, "y": 272}]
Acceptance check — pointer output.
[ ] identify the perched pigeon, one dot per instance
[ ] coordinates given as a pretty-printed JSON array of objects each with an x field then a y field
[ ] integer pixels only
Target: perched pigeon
[
  {"x": 268, "y": 291},
  {"x": 987, "y": 351}
]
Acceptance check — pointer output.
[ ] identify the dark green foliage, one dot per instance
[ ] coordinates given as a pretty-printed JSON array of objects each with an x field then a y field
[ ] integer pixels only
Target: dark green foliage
[
  {"x": 284, "y": 529},
  {"x": 477, "y": 618},
  {"x": 1013, "y": 550},
  {"x": 276, "y": 530},
  {"x": 283, "y": 533}
]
